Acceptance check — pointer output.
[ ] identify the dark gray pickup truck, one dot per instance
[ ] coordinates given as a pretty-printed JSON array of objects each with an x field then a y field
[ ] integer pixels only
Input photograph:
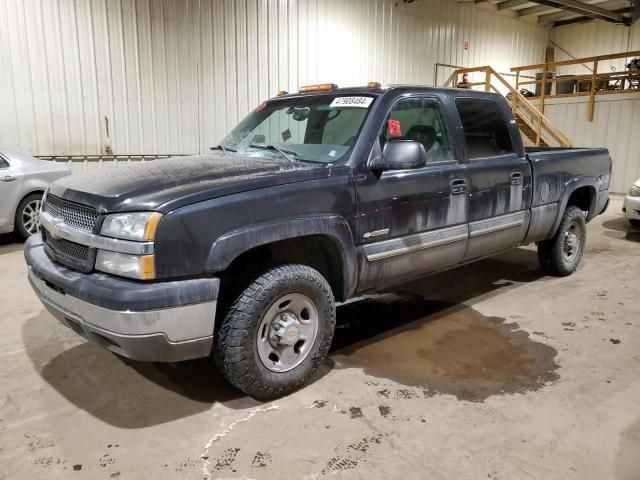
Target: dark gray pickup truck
[{"x": 314, "y": 198}]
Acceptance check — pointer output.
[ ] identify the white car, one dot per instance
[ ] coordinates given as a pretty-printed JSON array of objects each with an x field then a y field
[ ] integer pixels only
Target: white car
[
  {"x": 631, "y": 207},
  {"x": 23, "y": 180}
]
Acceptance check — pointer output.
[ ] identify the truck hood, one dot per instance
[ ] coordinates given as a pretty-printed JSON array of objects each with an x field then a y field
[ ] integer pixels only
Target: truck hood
[{"x": 170, "y": 183}]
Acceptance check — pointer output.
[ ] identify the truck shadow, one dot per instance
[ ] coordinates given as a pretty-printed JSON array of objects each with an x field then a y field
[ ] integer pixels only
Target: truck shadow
[
  {"x": 121, "y": 392},
  {"x": 9, "y": 243},
  {"x": 621, "y": 229},
  {"x": 131, "y": 394}
]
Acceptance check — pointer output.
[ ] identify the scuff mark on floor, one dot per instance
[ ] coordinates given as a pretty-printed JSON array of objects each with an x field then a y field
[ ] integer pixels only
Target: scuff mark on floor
[{"x": 206, "y": 463}]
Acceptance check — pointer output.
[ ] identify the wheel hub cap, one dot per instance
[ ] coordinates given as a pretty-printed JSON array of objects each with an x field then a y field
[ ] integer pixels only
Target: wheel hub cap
[
  {"x": 287, "y": 332},
  {"x": 571, "y": 244},
  {"x": 284, "y": 330}
]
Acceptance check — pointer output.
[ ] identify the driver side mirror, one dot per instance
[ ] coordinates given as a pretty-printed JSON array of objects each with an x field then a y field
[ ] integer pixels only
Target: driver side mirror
[{"x": 400, "y": 155}]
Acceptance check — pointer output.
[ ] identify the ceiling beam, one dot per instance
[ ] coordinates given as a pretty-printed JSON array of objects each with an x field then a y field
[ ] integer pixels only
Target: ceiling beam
[
  {"x": 571, "y": 21},
  {"x": 614, "y": 5},
  {"x": 512, "y": 4},
  {"x": 538, "y": 10},
  {"x": 554, "y": 17},
  {"x": 568, "y": 21},
  {"x": 585, "y": 9}
]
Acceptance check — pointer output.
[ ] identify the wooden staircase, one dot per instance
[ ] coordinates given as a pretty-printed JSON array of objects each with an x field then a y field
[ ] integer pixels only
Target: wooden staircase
[
  {"x": 529, "y": 135},
  {"x": 535, "y": 128}
]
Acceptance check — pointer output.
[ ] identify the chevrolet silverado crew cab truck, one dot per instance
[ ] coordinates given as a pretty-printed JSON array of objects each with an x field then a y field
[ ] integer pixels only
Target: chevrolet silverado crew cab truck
[{"x": 314, "y": 198}]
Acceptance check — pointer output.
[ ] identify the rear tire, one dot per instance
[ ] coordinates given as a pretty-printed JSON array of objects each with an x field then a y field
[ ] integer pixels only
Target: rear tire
[
  {"x": 276, "y": 332},
  {"x": 561, "y": 255},
  {"x": 27, "y": 221}
]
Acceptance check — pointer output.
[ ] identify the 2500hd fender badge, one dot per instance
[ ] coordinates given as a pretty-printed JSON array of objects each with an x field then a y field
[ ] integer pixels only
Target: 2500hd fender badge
[{"x": 376, "y": 233}]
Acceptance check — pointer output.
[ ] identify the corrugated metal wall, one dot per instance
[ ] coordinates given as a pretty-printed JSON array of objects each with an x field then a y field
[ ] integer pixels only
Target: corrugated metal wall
[
  {"x": 594, "y": 38},
  {"x": 172, "y": 76},
  {"x": 617, "y": 117},
  {"x": 615, "y": 126}
]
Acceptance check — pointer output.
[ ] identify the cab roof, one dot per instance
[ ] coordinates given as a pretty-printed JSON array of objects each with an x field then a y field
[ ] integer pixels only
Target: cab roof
[{"x": 382, "y": 89}]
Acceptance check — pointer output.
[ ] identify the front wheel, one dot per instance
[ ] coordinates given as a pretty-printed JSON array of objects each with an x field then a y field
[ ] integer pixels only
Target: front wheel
[
  {"x": 276, "y": 332},
  {"x": 561, "y": 255},
  {"x": 27, "y": 221}
]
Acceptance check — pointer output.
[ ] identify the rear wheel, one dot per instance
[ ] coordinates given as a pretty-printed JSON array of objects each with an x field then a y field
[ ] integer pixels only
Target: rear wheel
[
  {"x": 561, "y": 255},
  {"x": 276, "y": 332},
  {"x": 27, "y": 221}
]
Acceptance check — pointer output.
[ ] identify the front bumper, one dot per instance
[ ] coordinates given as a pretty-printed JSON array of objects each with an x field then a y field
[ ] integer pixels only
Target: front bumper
[
  {"x": 631, "y": 207},
  {"x": 160, "y": 322}
]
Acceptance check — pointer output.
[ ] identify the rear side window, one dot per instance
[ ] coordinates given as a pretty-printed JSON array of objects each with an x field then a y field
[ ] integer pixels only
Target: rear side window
[
  {"x": 486, "y": 133},
  {"x": 3, "y": 163}
]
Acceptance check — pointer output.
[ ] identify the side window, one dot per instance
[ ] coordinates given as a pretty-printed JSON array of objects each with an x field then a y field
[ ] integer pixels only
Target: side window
[
  {"x": 3, "y": 163},
  {"x": 486, "y": 133},
  {"x": 419, "y": 119}
]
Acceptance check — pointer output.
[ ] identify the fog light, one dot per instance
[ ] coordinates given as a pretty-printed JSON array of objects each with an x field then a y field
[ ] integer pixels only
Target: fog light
[{"x": 139, "y": 267}]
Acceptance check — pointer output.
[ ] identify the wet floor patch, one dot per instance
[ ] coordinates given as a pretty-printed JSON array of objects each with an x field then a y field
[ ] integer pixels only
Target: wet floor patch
[{"x": 444, "y": 349}]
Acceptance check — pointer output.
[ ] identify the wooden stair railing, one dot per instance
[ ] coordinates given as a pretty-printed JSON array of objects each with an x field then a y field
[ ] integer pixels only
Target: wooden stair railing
[{"x": 536, "y": 129}]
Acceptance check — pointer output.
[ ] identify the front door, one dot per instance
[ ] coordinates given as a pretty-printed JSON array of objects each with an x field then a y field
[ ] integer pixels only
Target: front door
[
  {"x": 411, "y": 222},
  {"x": 500, "y": 178}
]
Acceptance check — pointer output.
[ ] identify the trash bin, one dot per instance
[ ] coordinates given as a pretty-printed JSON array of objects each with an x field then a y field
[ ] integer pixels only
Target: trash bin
[
  {"x": 565, "y": 84},
  {"x": 547, "y": 89}
]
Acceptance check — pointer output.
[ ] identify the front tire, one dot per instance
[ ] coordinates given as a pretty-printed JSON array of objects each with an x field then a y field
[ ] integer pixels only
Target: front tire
[
  {"x": 561, "y": 255},
  {"x": 276, "y": 332},
  {"x": 27, "y": 221}
]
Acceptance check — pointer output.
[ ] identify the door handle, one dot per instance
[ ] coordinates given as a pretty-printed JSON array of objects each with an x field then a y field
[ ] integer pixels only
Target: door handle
[
  {"x": 458, "y": 186},
  {"x": 8, "y": 178},
  {"x": 516, "y": 178}
]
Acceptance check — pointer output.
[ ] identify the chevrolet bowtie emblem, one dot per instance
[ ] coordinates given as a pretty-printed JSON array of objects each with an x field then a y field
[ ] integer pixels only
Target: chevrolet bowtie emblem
[{"x": 54, "y": 227}]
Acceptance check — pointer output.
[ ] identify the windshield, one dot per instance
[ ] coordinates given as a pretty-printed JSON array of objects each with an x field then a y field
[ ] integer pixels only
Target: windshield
[{"x": 320, "y": 128}]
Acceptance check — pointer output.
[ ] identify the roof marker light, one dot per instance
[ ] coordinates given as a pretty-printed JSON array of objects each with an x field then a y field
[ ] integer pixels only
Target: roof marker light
[{"x": 322, "y": 87}]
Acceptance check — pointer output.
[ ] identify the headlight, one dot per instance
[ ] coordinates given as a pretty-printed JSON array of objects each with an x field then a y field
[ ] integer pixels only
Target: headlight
[
  {"x": 139, "y": 226},
  {"x": 140, "y": 267},
  {"x": 635, "y": 191}
]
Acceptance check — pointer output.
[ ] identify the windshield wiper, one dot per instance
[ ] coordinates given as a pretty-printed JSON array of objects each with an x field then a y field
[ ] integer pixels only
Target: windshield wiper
[
  {"x": 281, "y": 151},
  {"x": 224, "y": 149}
]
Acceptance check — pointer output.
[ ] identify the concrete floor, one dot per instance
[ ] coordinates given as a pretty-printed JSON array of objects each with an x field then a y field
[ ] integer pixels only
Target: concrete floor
[{"x": 489, "y": 371}]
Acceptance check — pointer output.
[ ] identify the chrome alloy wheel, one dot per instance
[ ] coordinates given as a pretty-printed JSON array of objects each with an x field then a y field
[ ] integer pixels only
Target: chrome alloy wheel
[
  {"x": 571, "y": 243},
  {"x": 287, "y": 332},
  {"x": 31, "y": 216}
]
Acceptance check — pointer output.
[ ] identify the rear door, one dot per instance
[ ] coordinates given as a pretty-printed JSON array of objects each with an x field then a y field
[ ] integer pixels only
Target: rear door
[
  {"x": 411, "y": 222},
  {"x": 499, "y": 175},
  {"x": 10, "y": 184}
]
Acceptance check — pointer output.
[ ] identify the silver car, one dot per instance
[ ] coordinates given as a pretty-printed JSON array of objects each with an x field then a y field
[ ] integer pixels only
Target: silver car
[
  {"x": 631, "y": 207},
  {"x": 23, "y": 180}
]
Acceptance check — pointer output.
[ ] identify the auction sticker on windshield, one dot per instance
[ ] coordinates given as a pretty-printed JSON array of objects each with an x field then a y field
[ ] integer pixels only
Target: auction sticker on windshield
[{"x": 360, "y": 102}]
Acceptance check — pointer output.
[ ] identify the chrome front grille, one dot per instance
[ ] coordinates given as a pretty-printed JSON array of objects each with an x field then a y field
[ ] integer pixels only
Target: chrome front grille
[
  {"x": 73, "y": 214},
  {"x": 77, "y": 252},
  {"x": 74, "y": 255},
  {"x": 71, "y": 254}
]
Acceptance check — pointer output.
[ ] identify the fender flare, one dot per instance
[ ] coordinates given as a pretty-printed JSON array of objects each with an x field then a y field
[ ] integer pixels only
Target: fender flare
[
  {"x": 570, "y": 187},
  {"x": 236, "y": 242}
]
